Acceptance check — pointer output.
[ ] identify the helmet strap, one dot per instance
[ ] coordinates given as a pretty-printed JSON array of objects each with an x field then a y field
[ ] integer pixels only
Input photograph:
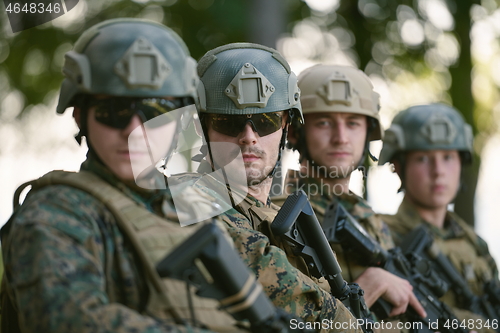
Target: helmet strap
[
  {"x": 282, "y": 144},
  {"x": 366, "y": 150},
  {"x": 401, "y": 158},
  {"x": 206, "y": 148},
  {"x": 82, "y": 102},
  {"x": 301, "y": 145}
]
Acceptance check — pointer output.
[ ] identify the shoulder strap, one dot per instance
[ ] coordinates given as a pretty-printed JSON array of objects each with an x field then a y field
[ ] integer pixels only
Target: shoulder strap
[{"x": 17, "y": 194}]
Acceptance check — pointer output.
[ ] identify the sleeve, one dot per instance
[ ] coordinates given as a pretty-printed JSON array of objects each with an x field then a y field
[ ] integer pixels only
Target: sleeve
[
  {"x": 55, "y": 268},
  {"x": 380, "y": 231}
]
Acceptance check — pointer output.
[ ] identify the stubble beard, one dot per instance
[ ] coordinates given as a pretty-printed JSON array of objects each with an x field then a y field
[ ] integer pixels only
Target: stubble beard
[{"x": 256, "y": 176}]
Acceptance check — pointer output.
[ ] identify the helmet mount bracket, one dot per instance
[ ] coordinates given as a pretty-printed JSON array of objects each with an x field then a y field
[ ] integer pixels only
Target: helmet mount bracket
[{"x": 249, "y": 87}]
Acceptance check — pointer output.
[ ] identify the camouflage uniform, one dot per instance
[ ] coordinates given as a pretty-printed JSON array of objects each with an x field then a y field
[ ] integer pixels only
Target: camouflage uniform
[
  {"x": 88, "y": 277},
  {"x": 287, "y": 287},
  {"x": 69, "y": 267},
  {"x": 439, "y": 127},
  {"x": 466, "y": 250},
  {"x": 253, "y": 83},
  {"x": 320, "y": 197},
  {"x": 74, "y": 262},
  {"x": 346, "y": 90}
]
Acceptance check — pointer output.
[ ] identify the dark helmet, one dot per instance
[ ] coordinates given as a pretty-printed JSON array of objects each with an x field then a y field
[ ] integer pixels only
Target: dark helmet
[
  {"x": 428, "y": 127},
  {"x": 246, "y": 78},
  {"x": 128, "y": 57}
]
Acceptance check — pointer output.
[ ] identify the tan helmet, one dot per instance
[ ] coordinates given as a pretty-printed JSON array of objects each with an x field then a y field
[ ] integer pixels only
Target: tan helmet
[{"x": 334, "y": 88}]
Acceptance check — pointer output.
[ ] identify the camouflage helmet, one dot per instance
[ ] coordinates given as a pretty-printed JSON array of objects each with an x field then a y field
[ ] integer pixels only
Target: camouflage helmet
[
  {"x": 428, "y": 127},
  {"x": 246, "y": 78},
  {"x": 128, "y": 57},
  {"x": 334, "y": 88}
]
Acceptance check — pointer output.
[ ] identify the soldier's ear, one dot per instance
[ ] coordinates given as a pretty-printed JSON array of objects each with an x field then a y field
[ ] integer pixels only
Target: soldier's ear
[{"x": 77, "y": 112}]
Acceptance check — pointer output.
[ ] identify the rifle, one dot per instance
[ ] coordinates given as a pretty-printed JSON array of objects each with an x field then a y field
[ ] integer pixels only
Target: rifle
[
  {"x": 421, "y": 241},
  {"x": 492, "y": 292},
  {"x": 297, "y": 224},
  {"x": 207, "y": 261},
  {"x": 341, "y": 227}
]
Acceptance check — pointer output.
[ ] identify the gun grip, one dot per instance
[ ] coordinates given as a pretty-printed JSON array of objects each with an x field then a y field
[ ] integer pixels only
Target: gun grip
[{"x": 381, "y": 308}]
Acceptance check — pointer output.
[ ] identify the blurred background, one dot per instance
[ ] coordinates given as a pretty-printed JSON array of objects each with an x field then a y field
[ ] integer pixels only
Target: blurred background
[{"x": 415, "y": 51}]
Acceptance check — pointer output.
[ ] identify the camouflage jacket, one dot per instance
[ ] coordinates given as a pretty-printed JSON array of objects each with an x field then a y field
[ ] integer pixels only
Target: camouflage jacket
[
  {"x": 58, "y": 286},
  {"x": 69, "y": 267},
  {"x": 248, "y": 215},
  {"x": 320, "y": 195},
  {"x": 466, "y": 250}
]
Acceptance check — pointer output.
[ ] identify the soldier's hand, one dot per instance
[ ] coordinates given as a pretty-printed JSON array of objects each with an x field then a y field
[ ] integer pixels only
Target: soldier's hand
[{"x": 377, "y": 282}]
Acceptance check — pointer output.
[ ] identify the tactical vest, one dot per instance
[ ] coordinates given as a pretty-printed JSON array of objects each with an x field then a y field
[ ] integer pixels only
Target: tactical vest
[
  {"x": 463, "y": 252},
  {"x": 152, "y": 237},
  {"x": 469, "y": 259}
]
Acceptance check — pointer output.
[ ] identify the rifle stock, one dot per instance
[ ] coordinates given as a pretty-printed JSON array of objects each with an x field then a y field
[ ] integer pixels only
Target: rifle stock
[
  {"x": 207, "y": 261},
  {"x": 297, "y": 224}
]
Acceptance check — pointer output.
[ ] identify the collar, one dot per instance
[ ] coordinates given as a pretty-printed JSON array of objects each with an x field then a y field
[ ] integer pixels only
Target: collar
[
  {"x": 151, "y": 199},
  {"x": 411, "y": 219}
]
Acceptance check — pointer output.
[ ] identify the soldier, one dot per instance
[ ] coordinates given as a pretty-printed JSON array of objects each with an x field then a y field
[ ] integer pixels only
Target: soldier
[
  {"x": 77, "y": 253},
  {"x": 247, "y": 98},
  {"x": 249, "y": 105},
  {"x": 80, "y": 252},
  {"x": 429, "y": 145},
  {"x": 341, "y": 118}
]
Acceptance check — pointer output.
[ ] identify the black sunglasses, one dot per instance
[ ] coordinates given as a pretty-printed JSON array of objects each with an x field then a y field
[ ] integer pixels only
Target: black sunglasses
[
  {"x": 232, "y": 125},
  {"x": 117, "y": 112}
]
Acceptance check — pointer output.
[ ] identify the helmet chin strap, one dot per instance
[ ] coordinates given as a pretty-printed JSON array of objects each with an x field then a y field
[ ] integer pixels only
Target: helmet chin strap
[
  {"x": 366, "y": 150},
  {"x": 82, "y": 103},
  {"x": 281, "y": 146}
]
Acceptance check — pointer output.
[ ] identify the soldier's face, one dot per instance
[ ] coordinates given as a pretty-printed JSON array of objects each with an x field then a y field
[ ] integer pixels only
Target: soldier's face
[
  {"x": 432, "y": 178},
  {"x": 259, "y": 153},
  {"x": 117, "y": 151},
  {"x": 335, "y": 141}
]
